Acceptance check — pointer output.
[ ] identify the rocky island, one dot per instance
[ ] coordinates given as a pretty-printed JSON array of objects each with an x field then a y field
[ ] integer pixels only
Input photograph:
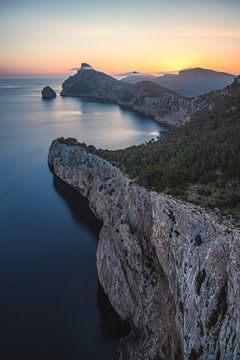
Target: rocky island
[{"x": 48, "y": 93}]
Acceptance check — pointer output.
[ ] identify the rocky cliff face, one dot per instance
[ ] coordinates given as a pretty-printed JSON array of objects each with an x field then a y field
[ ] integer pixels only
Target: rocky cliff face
[
  {"x": 150, "y": 99},
  {"x": 89, "y": 82},
  {"x": 167, "y": 267}
]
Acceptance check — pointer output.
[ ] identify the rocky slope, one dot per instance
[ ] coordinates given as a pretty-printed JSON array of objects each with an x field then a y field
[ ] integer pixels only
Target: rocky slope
[
  {"x": 145, "y": 97},
  {"x": 167, "y": 267}
]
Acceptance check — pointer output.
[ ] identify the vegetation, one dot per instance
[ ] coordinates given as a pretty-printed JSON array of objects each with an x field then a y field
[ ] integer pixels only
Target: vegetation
[{"x": 198, "y": 162}]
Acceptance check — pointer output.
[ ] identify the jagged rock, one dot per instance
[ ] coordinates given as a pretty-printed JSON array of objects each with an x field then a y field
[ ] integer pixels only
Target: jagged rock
[
  {"x": 48, "y": 93},
  {"x": 169, "y": 268},
  {"x": 88, "y": 83}
]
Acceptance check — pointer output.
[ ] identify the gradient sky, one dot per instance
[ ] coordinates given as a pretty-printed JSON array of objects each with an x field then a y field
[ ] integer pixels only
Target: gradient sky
[{"x": 53, "y": 36}]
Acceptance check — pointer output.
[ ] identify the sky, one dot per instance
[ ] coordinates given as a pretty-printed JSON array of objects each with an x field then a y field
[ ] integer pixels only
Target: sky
[{"x": 50, "y": 37}]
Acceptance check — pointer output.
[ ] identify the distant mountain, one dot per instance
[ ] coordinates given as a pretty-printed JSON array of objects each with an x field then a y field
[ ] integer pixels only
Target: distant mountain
[
  {"x": 195, "y": 81},
  {"x": 134, "y": 77},
  {"x": 147, "y": 97},
  {"x": 188, "y": 82}
]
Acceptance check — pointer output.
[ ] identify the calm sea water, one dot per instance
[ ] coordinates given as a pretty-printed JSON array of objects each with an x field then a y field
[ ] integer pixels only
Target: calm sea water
[{"x": 51, "y": 305}]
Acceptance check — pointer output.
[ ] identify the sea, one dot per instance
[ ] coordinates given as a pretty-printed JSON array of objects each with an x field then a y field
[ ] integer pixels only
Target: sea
[{"x": 51, "y": 303}]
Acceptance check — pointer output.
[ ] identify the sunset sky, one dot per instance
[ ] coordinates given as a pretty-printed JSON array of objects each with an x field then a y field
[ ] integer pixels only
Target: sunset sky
[{"x": 52, "y": 36}]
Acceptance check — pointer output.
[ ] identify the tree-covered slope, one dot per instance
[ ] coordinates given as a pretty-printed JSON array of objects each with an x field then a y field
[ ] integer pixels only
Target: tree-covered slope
[{"x": 198, "y": 162}]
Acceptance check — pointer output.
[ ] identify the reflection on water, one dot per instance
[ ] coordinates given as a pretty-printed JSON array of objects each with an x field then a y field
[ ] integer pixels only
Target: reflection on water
[
  {"x": 78, "y": 206},
  {"x": 111, "y": 327},
  {"x": 51, "y": 306}
]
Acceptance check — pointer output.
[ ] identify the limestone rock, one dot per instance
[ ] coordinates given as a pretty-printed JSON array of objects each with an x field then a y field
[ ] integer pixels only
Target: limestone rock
[{"x": 169, "y": 268}]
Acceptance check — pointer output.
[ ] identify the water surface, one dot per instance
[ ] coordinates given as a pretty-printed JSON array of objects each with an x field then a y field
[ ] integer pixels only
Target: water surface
[{"x": 51, "y": 305}]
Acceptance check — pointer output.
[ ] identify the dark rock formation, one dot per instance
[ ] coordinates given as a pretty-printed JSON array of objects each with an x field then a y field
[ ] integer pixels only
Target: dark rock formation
[
  {"x": 169, "y": 268},
  {"x": 48, "y": 93},
  {"x": 90, "y": 83}
]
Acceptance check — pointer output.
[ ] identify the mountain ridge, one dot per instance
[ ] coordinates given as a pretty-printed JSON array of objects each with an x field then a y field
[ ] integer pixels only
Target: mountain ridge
[
  {"x": 145, "y": 97},
  {"x": 192, "y": 82}
]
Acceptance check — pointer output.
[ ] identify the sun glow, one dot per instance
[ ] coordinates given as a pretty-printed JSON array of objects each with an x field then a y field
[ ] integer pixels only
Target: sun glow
[{"x": 52, "y": 40}]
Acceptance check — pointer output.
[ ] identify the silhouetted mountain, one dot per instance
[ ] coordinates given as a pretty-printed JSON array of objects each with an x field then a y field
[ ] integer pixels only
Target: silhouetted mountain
[
  {"x": 89, "y": 82},
  {"x": 195, "y": 81},
  {"x": 188, "y": 82},
  {"x": 134, "y": 77}
]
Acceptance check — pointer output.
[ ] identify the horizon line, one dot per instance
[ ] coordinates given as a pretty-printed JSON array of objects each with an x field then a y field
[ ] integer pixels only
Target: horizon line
[{"x": 154, "y": 73}]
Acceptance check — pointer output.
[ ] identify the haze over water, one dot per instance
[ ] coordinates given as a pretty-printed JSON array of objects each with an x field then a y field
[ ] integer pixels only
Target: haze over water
[{"x": 51, "y": 306}]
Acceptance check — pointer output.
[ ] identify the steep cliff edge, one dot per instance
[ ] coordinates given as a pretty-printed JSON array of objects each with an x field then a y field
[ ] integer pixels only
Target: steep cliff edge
[{"x": 168, "y": 267}]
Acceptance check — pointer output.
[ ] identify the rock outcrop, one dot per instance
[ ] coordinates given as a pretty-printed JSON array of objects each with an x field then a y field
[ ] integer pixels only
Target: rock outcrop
[
  {"x": 169, "y": 268},
  {"x": 48, "y": 93},
  {"x": 145, "y": 97},
  {"x": 89, "y": 83}
]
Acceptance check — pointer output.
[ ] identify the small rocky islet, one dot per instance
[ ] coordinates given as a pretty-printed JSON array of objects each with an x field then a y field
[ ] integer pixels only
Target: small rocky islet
[{"x": 48, "y": 93}]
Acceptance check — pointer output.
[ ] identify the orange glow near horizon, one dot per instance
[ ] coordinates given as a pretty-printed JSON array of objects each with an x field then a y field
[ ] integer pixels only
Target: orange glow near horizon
[{"x": 55, "y": 43}]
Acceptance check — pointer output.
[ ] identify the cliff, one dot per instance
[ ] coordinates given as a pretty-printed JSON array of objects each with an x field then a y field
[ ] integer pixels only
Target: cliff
[
  {"x": 89, "y": 82},
  {"x": 168, "y": 267}
]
